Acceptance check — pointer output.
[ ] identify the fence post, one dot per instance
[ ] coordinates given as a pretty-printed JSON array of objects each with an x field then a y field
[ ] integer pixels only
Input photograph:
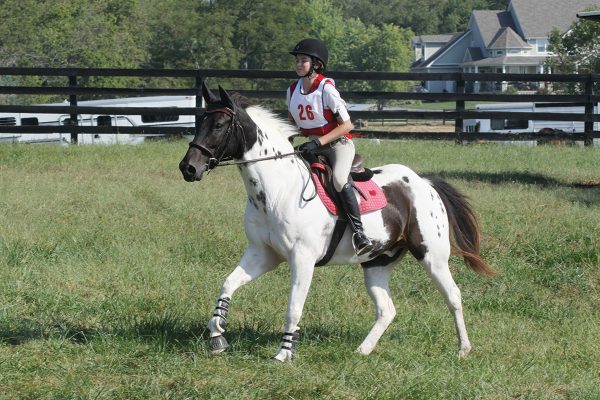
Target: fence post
[
  {"x": 589, "y": 111},
  {"x": 199, "y": 82},
  {"x": 460, "y": 107},
  {"x": 73, "y": 103}
]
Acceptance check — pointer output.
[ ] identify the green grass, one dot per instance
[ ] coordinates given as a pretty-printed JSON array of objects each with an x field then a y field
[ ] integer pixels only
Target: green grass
[{"x": 110, "y": 265}]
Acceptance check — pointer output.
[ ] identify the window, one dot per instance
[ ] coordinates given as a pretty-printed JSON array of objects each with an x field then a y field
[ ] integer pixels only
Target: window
[
  {"x": 508, "y": 124},
  {"x": 150, "y": 118},
  {"x": 104, "y": 120},
  {"x": 542, "y": 47},
  {"x": 31, "y": 121},
  {"x": 516, "y": 124},
  {"x": 8, "y": 121},
  {"x": 497, "y": 124}
]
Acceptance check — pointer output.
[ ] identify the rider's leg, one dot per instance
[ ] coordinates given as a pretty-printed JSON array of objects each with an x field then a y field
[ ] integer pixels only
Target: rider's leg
[
  {"x": 361, "y": 242},
  {"x": 341, "y": 157}
]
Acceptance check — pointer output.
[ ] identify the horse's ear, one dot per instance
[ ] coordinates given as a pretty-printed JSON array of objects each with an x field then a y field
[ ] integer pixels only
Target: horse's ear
[
  {"x": 225, "y": 99},
  {"x": 208, "y": 96}
]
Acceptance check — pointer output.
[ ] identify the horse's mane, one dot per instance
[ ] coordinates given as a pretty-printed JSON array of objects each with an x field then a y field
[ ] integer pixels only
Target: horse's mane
[
  {"x": 264, "y": 118},
  {"x": 240, "y": 100}
]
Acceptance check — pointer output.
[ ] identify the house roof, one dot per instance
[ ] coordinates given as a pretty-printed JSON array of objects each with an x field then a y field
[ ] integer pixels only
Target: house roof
[
  {"x": 539, "y": 17},
  {"x": 589, "y": 15},
  {"x": 489, "y": 22},
  {"x": 507, "y": 38},
  {"x": 422, "y": 63},
  {"x": 473, "y": 54},
  {"x": 443, "y": 38}
]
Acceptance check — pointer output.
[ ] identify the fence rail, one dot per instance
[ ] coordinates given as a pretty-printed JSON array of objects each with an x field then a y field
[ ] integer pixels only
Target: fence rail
[{"x": 587, "y": 98}]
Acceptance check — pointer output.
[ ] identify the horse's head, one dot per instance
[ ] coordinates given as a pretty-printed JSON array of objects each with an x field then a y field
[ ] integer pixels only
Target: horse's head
[{"x": 220, "y": 136}]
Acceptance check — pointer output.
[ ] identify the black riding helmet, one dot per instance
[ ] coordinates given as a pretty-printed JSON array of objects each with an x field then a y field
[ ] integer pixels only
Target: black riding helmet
[{"x": 314, "y": 48}]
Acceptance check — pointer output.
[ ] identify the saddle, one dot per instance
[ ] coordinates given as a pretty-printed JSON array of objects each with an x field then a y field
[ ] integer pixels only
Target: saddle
[{"x": 371, "y": 196}]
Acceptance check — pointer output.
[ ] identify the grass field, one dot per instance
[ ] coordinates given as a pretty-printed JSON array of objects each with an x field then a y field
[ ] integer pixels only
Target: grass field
[{"x": 110, "y": 265}]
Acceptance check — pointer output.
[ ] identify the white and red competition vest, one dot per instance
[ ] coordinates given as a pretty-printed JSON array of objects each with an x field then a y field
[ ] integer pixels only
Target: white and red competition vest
[{"x": 310, "y": 110}]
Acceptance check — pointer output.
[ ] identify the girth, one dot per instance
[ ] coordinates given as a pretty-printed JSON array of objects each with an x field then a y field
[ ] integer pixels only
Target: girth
[{"x": 324, "y": 173}]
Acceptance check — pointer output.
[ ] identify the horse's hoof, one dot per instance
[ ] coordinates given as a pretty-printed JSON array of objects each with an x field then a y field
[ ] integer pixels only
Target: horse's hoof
[
  {"x": 283, "y": 356},
  {"x": 218, "y": 344},
  {"x": 463, "y": 353}
]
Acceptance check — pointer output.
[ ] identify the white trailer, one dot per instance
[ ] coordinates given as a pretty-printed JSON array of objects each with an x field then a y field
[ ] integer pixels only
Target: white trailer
[
  {"x": 100, "y": 119},
  {"x": 516, "y": 124}
]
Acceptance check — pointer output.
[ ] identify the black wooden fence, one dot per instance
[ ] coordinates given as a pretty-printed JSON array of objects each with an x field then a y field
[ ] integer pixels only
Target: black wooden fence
[{"x": 458, "y": 114}]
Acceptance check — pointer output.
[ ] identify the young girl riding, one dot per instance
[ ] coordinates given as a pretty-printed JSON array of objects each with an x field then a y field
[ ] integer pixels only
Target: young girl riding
[{"x": 315, "y": 105}]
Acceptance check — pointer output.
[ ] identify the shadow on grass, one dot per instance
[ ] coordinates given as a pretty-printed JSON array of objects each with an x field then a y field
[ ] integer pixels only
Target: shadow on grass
[
  {"x": 172, "y": 334},
  {"x": 588, "y": 193},
  {"x": 28, "y": 330}
]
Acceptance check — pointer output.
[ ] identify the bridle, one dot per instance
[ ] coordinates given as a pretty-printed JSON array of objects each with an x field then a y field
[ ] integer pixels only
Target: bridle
[{"x": 234, "y": 123}]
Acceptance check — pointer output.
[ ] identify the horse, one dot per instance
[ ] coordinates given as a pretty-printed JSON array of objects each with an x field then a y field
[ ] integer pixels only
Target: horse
[{"x": 424, "y": 216}]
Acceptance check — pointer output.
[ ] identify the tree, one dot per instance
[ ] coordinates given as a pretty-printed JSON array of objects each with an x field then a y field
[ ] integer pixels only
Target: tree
[
  {"x": 64, "y": 33},
  {"x": 188, "y": 34},
  {"x": 456, "y": 13},
  {"x": 577, "y": 50}
]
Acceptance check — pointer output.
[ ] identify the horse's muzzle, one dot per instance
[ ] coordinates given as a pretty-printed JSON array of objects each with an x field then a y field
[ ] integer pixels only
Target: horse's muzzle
[{"x": 190, "y": 172}]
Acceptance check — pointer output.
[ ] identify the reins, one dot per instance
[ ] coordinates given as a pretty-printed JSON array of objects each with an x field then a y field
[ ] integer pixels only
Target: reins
[
  {"x": 214, "y": 162},
  {"x": 229, "y": 163}
]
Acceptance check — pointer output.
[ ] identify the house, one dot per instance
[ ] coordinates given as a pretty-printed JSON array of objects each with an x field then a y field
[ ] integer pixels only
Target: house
[
  {"x": 514, "y": 40},
  {"x": 425, "y": 46}
]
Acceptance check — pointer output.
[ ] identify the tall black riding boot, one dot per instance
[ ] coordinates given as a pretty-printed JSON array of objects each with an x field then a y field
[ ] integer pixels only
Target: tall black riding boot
[{"x": 362, "y": 244}]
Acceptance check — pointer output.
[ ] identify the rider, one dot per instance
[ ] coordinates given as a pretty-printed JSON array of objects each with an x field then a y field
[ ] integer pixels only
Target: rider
[{"x": 316, "y": 107}]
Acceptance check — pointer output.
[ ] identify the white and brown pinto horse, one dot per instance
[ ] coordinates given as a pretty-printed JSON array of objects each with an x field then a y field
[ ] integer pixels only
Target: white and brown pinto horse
[{"x": 282, "y": 224}]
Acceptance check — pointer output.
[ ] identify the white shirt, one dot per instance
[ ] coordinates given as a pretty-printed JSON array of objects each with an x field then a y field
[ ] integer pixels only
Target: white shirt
[{"x": 319, "y": 108}]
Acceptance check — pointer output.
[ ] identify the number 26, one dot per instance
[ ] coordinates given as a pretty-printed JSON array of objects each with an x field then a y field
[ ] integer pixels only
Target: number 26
[{"x": 306, "y": 110}]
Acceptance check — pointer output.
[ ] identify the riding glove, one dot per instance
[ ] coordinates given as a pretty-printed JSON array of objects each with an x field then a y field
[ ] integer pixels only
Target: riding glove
[{"x": 309, "y": 148}]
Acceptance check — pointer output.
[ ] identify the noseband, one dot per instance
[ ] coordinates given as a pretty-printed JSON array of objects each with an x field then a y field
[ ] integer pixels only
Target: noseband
[{"x": 213, "y": 160}]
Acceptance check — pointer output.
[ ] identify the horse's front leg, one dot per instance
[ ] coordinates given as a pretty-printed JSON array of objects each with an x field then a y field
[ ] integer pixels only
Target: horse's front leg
[
  {"x": 257, "y": 260},
  {"x": 301, "y": 269}
]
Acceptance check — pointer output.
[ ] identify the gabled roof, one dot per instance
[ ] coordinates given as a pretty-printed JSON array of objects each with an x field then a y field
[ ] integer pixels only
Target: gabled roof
[
  {"x": 507, "y": 38},
  {"x": 455, "y": 39},
  {"x": 444, "y": 38},
  {"x": 489, "y": 22},
  {"x": 539, "y": 17},
  {"x": 473, "y": 54}
]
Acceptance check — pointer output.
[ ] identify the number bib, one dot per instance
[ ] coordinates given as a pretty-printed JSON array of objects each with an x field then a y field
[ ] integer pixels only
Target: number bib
[{"x": 308, "y": 110}]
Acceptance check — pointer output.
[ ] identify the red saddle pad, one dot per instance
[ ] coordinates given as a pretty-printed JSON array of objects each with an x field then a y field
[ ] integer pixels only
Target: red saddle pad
[{"x": 375, "y": 199}]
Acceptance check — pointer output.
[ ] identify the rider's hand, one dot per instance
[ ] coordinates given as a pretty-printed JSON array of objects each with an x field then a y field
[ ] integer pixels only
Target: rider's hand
[{"x": 310, "y": 147}]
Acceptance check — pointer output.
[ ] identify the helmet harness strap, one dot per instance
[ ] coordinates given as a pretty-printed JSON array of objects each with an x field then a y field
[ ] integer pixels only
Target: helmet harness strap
[{"x": 311, "y": 69}]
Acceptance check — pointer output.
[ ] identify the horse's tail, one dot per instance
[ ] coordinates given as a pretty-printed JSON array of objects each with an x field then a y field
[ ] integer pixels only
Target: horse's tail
[{"x": 463, "y": 226}]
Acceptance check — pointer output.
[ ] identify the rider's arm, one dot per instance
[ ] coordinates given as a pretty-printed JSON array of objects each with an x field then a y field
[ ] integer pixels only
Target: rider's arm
[{"x": 333, "y": 101}]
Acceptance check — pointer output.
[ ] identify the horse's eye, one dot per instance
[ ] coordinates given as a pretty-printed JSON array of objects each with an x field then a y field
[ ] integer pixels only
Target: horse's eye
[{"x": 218, "y": 125}]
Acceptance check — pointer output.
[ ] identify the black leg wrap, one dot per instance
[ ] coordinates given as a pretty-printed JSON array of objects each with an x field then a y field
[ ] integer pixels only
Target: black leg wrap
[
  {"x": 289, "y": 340},
  {"x": 221, "y": 311},
  {"x": 218, "y": 344}
]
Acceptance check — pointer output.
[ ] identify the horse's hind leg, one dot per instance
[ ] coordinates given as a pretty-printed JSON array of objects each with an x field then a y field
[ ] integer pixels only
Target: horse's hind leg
[
  {"x": 439, "y": 271},
  {"x": 256, "y": 261},
  {"x": 377, "y": 280}
]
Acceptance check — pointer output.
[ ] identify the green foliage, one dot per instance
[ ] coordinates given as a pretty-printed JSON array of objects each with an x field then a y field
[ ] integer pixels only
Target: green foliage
[
  {"x": 422, "y": 17},
  {"x": 577, "y": 50},
  {"x": 217, "y": 33}
]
